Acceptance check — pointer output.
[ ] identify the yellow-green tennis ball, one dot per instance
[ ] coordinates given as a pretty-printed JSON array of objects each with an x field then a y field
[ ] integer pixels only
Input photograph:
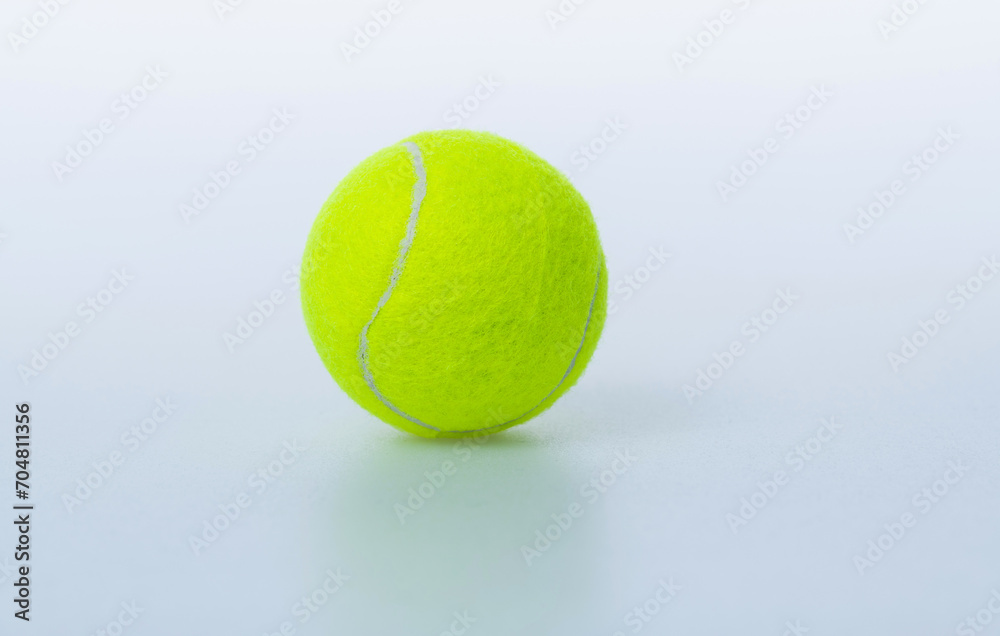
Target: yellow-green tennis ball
[{"x": 454, "y": 284}]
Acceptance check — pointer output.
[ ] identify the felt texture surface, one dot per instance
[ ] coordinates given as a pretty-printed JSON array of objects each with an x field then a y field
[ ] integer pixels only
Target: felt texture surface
[{"x": 496, "y": 308}]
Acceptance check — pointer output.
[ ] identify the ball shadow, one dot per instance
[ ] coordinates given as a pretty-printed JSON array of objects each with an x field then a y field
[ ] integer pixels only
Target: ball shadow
[{"x": 434, "y": 529}]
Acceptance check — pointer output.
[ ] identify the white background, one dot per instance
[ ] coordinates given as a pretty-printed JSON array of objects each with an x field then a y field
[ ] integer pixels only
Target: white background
[{"x": 655, "y": 186}]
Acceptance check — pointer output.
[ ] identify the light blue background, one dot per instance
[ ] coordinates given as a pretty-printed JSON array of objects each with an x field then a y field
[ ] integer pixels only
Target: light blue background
[{"x": 654, "y": 187}]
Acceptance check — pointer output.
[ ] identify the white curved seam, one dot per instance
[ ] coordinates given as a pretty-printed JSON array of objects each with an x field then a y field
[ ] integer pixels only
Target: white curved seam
[
  {"x": 572, "y": 364},
  {"x": 419, "y": 192}
]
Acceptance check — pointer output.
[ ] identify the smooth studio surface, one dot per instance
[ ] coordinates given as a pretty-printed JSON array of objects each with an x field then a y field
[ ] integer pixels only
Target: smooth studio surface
[{"x": 791, "y": 421}]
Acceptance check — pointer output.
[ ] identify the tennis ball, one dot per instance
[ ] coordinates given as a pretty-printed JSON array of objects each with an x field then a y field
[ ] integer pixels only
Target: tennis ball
[{"x": 454, "y": 284}]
